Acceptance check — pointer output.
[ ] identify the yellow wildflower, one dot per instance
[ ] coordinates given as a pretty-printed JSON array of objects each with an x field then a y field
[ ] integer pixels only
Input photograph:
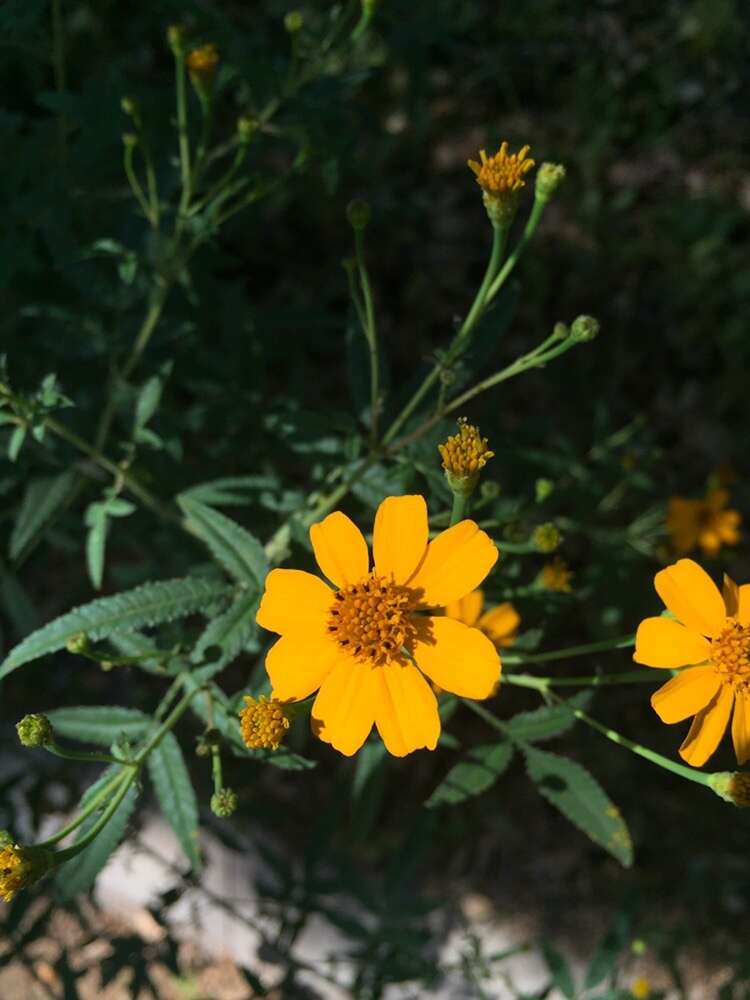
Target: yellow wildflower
[
  {"x": 263, "y": 722},
  {"x": 21, "y": 866},
  {"x": 711, "y": 640},
  {"x": 464, "y": 456},
  {"x": 202, "y": 63},
  {"x": 640, "y": 988},
  {"x": 556, "y": 575},
  {"x": 501, "y": 178},
  {"x": 499, "y": 624},
  {"x": 363, "y": 643},
  {"x": 705, "y": 523}
]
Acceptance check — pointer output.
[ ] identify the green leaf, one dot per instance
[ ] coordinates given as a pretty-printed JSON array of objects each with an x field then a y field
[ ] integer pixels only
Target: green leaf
[
  {"x": 560, "y": 971},
  {"x": 232, "y": 631},
  {"x": 96, "y": 518},
  {"x": 233, "y": 546},
  {"x": 229, "y": 491},
  {"x": 149, "y": 398},
  {"x": 149, "y": 604},
  {"x": 174, "y": 790},
  {"x": 41, "y": 501},
  {"x": 578, "y": 795},
  {"x": 17, "y": 439},
  {"x": 480, "y": 770},
  {"x": 548, "y": 721},
  {"x": 78, "y": 874},
  {"x": 98, "y": 723},
  {"x": 611, "y": 947},
  {"x": 17, "y": 604}
]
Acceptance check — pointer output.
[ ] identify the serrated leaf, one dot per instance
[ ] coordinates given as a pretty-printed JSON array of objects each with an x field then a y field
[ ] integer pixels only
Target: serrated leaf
[
  {"x": 231, "y": 631},
  {"x": 78, "y": 874},
  {"x": 230, "y": 490},
  {"x": 101, "y": 724},
  {"x": 174, "y": 791},
  {"x": 41, "y": 501},
  {"x": 149, "y": 604},
  {"x": 233, "y": 546},
  {"x": 580, "y": 797},
  {"x": 548, "y": 721},
  {"x": 480, "y": 769}
]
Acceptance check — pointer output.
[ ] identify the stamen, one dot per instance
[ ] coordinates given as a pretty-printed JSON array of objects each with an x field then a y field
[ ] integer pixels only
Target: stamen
[{"x": 373, "y": 619}]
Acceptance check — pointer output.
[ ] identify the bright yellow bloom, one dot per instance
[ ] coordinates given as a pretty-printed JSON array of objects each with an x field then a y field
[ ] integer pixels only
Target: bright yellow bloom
[
  {"x": 640, "y": 988},
  {"x": 703, "y": 523},
  {"x": 22, "y": 866},
  {"x": 202, "y": 63},
  {"x": 501, "y": 178},
  {"x": 364, "y": 643},
  {"x": 499, "y": 624},
  {"x": 711, "y": 639},
  {"x": 263, "y": 723},
  {"x": 556, "y": 575},
  {"x": 465, "y": 453}
]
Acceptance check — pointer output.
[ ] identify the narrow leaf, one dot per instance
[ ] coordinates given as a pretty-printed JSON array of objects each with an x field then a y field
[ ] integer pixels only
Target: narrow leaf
[
  {"x": 233, "y": 546},
  {"x": 42, "y": 500},
  {"x": 95, "y": 542},
  {"x": 560, "y": 971},
  {"x": 174, "y": 790},
  {"x": 578, "y": 795},
  {"x": 548, "y": 721},
  {"x": 478, "y": 772},
  {"x": 149, "y": 604},
  {"x": 232, "y": 631},
  {"x": 102, "y": 724}
]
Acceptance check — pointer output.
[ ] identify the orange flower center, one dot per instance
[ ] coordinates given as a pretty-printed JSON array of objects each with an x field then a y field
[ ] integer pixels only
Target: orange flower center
[
  {"x": 370, "y": 619},
  {"x": 730, "y": 652}
]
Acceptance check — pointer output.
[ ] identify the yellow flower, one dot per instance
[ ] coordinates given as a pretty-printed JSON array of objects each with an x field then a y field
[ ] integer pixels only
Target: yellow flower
[
  {"x": 640, "y": 988},
  {"x": 703, "y": 523},
  {"x": 21, "y": 866},
  {"x": 464, "y": 455},
  {"x": 499, "y": 624},
  {"x": 501, "y": 178},
  {"x": 711, "y": 639},
  {"x": 365, "y": 644},
  {"x": 263, "y": 723},
  {"x": 556, "y": 575},
  {"x": 202, "y": 63}
]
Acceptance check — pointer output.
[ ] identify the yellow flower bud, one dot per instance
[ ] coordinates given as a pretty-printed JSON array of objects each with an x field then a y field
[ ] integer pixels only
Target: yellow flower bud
[
  {"x": 547, "y": 537},
  {"x": 201, "y": 64},
  {"x": 264, "y": 723},
  {"x": 501, "y": 178},
  {"x": 464, "y": 455},
  {"x": 732, "y": 786},
  {"x": 21, "y": 867},
  {"x": 556, "y": 576}
]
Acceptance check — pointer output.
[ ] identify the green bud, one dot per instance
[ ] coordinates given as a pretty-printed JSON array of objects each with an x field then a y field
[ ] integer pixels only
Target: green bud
[
  {"x": 584, "y": 328},
  {"x": 130, "y": 106},
  {"x": 176, "y": 39},
  {"x": 129, "y": 140},
  {"x": 490, "y": 490},
  {"x": 358, "y": 213},
  {"x": 546, "y": 537},
  {"x": 732, "y": 786},
  {"x": 294, "y": 21},
  {"x": 247, "y": 126},
  {"x": 35, "y": 731},
  {"x": 224, "y": 802},
  {"x": 78, "y": 643},
  {"x": 543, "y": 489},
  {"x": 560, "y": 331},
  {"x": 638, "y": 946},
  {"x": 549, "y": 177}
]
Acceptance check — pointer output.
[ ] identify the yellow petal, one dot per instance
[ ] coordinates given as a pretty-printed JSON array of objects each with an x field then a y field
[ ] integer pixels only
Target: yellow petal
[
  {"x": 344, "y": 710},
  {"x": 456, "y": 563},
  {"x": 457, "y": 658},
  {"x": 467, "y": 609},
  {"x": 692, "y": 596},
  {"x": 500, "y": 624},
  {"x": 399, "y": 538},
  {"x": 743, "y": 604},
  {"x": 406, "y": 711},
  {"x": 707, "y": 729},
  {"x": 731, "y": 594},
  {"x": 340, "y": 549},
  {"x": 686, "y": 694},
  {"x": 294, "y": 601},
  {"x": 741, "y": 727},
  {"x": 663, "y": 642},
  {"x": 299, "y": 662}
]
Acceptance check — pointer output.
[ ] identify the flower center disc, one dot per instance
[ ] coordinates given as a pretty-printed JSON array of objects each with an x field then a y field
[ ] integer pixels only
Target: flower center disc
[
  {"x": 370, "y": 619},
  {"x": 730, "y": 652}
]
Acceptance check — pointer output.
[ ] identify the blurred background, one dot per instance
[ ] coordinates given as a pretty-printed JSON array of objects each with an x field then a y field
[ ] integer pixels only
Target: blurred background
[{"x": 647, "y": 108}]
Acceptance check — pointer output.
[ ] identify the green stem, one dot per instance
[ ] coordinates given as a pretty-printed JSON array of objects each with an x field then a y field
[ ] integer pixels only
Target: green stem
[
  {"x": 169, "y": 723},
  {"x": 135, "y": 184},
  {"x": 182, "y": 131},
  {"x": 458, "y": 510},
  {"x": 90, "y": 757},
  {"x": 126, "y": 779},
  {"x": 371, "y": 335},
  {"x": 481, "y": 300},
  {"x": 169, "y": 697},
  {"x": 91, "y": 806},
  {"x": 621, "y": 642},
  {"x": 537, "y": 210},
  {"x": 593, "y": 680},
  {"x": 488, "y": 717}
]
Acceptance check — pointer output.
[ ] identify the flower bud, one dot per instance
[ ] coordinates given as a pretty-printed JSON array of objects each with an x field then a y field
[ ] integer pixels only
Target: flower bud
[
  {"x": 560, "y": 331},
  {"x": 201, "y": 65},
  {"x": 358, "y": 213},
  {"x": 130, "y": 106},
  {"x": 247, "y": 126},
  {"x": 22, "y": 866},
  {"x": 543, "y": 488},
  {"x": 732, "y": 786},
  {"x": 264, "y": 723},
  {"x": 584, "y": 328},
  {"x": 35, "y": 731},
  {"x": 129, "y": 140},
  {"x": 176, "y": 39},
  {"x": 502, "y": 179},
  {"x": 464, "y": 456},
  {"x": 224, "y": 802},
  {"x": 546, "y": 537},
  {"x": 294, "y": 21},
  {"x": 549, "y": 177},
  {"x": 78, "y": 643}
]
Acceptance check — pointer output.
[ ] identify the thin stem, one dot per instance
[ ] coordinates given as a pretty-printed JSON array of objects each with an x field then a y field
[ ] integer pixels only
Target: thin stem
[
  {"x": 148, "y": 326},
  {"x": 91, "y": 806},
  {"x": 499, "y": 234},
  {"x": 371, "y": 335},
  {"x": 182, "y": 131},
  {"x": 169, "y": 697},
  {"x": 90, "y": 757},
  {"x": 458, "y": 510},
  {"x": 126, "y": 779},
  {"x": 537, "y": 210},
  {"x": 135, "y": 184},
  {"x": 593, "y": 680},
  {"x": 485, "y": 714},
  {"x": 169, "y": 723},
  {"x": 621, "y": 642}
]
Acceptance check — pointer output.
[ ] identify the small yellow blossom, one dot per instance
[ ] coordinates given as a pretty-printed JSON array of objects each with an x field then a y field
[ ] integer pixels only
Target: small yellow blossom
[
  {"x": 703, "y": 523},
  {"x": 369, "y": 641},
  {"x": 464, "y": 455},
  {"x": 21, "y": 866},
  {"x": 501, "y": 178},
  {"x": 263, "y": 722},
  {"x": 556, "y": 575},
  {"x": 640, "y": 988},
  {"x": 709, "y": 637},
  {"x": 499, "y": 624},
  {"x": 202, "y": 63}
]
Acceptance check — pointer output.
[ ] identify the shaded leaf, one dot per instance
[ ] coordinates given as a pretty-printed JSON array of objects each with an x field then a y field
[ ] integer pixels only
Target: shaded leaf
[
  {"x": 174, "y": 790},
  {"x": 101, "y": 724},
  {"x": 548, "y": 721},
  {"x": 233, "y": 546},
  {"x": 480, "y": 769},
  {"x": 41, "y": 501}
]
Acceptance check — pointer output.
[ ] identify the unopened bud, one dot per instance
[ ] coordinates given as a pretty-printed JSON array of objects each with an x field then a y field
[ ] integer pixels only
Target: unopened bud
[
  {"x": 294, "y": 21},
  {"x": 464, "y": 456},
  {"x": 77, "y": 643},
  {"x": 732, "y": 786},
  {"x": 358, "y": 213},
  {"x": 247, "y": 126},
  {"x": 549, "y": 177},
  {"x": 176, "y": 39},
  {"x": 546, "y": 537},
  {"x": 130, "y": 106},
  {"x": 129, "y": 140},
  {"x": 35, "y": 731},
  {"x": 560, "y": 331},
  {"x": 584, "y": 328},
  {"x": 543, "y": 489},
  {"x": 224, "y": 803}
]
